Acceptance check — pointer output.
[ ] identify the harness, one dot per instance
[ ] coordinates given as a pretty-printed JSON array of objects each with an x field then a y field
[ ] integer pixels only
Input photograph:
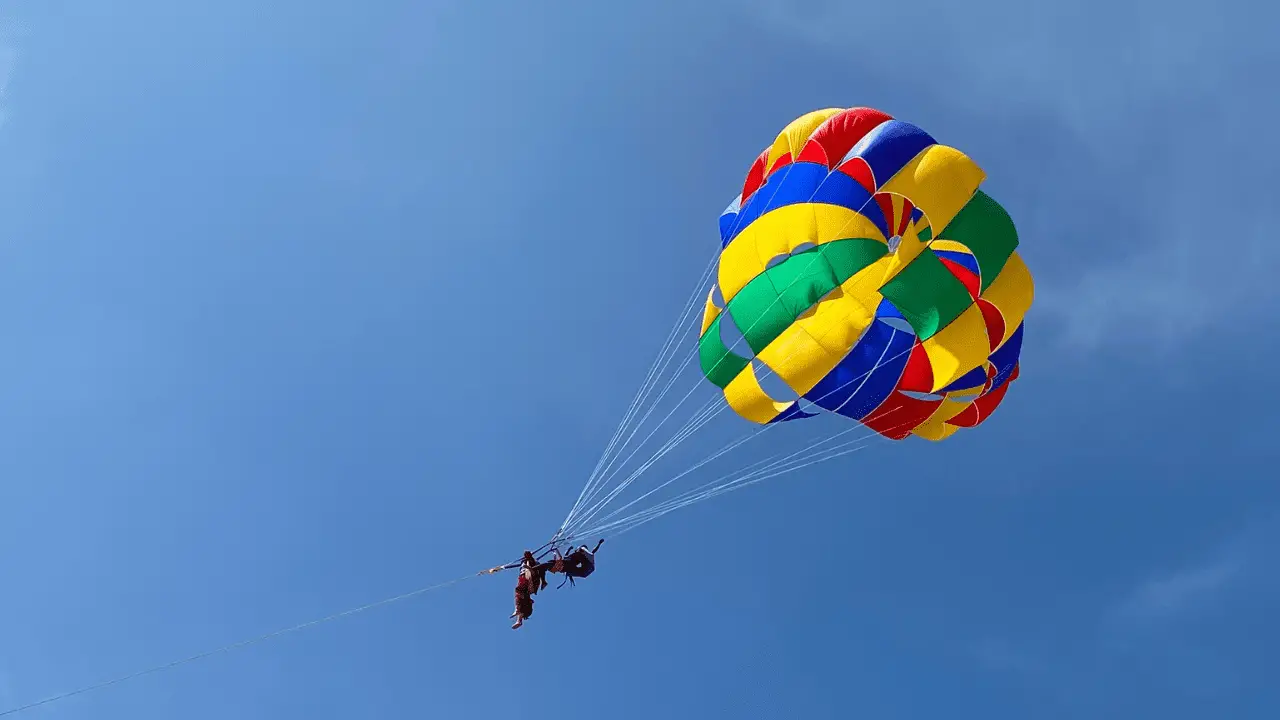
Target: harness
[{"x": 583, "y": 563}]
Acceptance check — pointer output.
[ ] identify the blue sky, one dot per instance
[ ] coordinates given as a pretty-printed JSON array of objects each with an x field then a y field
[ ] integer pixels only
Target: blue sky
[{"x": 307, "y": 304}]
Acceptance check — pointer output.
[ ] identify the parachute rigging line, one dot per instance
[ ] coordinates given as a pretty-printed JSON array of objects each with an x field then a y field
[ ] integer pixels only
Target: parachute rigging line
[
  {"x": 928, "y": 284},
  {"x": 729, "y": 482},
  {"x": 759, "y": 431},
  {"x": 600, "y": 484},
  {"x": 604, "y": 524},
  {"x": 237, "y": 645},
  {"x": 704, "y": 415},
  {"x": 660, "y": 364}
]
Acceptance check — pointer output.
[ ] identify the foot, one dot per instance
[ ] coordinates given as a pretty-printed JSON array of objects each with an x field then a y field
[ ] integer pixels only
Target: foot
[{"x": 517, "y": 624}]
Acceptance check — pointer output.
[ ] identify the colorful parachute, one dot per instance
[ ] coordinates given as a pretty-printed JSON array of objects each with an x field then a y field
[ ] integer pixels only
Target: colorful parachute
[
  {"x": 861, "y": 272},
  {"x": 864, "y": 269}
]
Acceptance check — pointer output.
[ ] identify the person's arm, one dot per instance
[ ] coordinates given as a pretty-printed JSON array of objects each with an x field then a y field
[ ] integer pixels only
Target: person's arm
[{"x": 593, "y": 552}]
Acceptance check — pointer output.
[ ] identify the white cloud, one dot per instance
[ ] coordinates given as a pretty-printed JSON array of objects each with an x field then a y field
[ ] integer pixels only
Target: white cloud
[
  {"x": 6, "y": 691},
  {"x": 9, "y": 30},
  {"x": 997, "y": 654},
  {"x": 1165, "y": 295},
  {"x": 1243, "y": 560},
  {"x": 1172, "y": 595}
]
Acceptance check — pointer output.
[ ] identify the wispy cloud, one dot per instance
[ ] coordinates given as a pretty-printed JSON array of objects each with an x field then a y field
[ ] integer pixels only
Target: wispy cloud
[
  {"x": 1151, "y": 169},
  {"x": 1168, "y": 292},
  {"x": 1245, "y": 558},
  {"x": 1146, "y": 625},
  {"x": 6, "y": 690},
  {"x": 9, "y": 31},
  {"x": 1172, "y": 595},
  {"x": 999, "y": 655}
]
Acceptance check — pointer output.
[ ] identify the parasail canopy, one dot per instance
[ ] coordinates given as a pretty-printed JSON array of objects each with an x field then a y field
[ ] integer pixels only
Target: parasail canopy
[{"x": 864, "y": 272}]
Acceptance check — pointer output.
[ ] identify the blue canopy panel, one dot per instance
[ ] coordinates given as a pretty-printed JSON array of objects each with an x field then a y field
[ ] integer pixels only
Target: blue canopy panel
[
  {"x": 889, "y": 147},
  {"x": 867, "y": 375},
  {"x": 1005, "y": 358},
  {"x": 798, "y": 183}
]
